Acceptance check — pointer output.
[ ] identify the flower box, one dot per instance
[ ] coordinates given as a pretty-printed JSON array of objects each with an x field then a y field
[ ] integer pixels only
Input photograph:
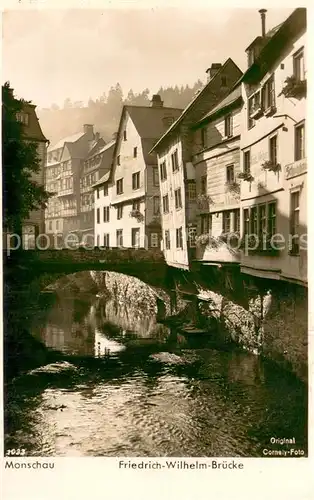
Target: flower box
[
  {"x": 270, "y": 166},
  {"x": 245, "y": 176},
  {"x": 256, "y": 112},
  {"x": 294, "y": 88},
  {"x": 137, "y": 215},
  {"x": 233, "y": 187}
]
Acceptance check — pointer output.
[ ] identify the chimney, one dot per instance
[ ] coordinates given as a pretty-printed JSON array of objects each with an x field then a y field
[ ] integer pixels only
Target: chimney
[
  {"x": 215, "y": 67},
  {"x": 263, "y": 18},
  {"x": 156, "y": 101},
  {"x": 89, "y": 131},
  {"x": 97, "y": 136}
]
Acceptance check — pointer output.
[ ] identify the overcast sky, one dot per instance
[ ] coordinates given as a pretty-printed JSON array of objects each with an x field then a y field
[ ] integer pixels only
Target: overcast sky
[{"x": 50, "y": 55}]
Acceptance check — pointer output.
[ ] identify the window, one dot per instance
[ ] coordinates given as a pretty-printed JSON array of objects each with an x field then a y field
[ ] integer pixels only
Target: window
[
  {"x": 154, "y": 240},
  {"x": 268, "y": 94},
  {"x": 167, "y": 239},
  {"x": 223, "y": 81},
  {"x": 165, "y": 204},
  {"x": 155, "y": 176},
  {"x": 136, "y": 180},
  {"x": 23, "y": 118},
  {"x": 119, "y": 236},
  {"x": 228, "y": 126},
  {"x": 226, "y": 221},
  {"x": 251, "y": 121},
  {"x": 298, "y": 65},
  {"x": 204, "y": 137},
  {"x": 50, "y": 225},
  {"x": 106, "y": 240},
  {"x": 156, "y": 205},
  {"x": 191, "y": 191},
  {"x": 192, "y": 237},
  {"x": 119, "y": 212},
  {"x": 295, "y": 222},
  {"x": 136, "y": 205},
  {"x": 254, "y": 227},
  {"x": 119, "y": 186},
  {"x": 174, "y": 161},
  {"x": 299, "y": 141},
  {"x": 273, "y": 150},
  {"x": 246, "y": 221},
  {"x": 118, "y": 160},
  {"x": 247, "y": 162},
  {"x": 163, "y": 171},
  {"x": 124, "y": 135},
  {"x": 178, "y": 199},
  {"x": 97, "y": 190},
  {"x": 135, "y": 152},
  {"x": 98, "y": 240},
  {"x": 206, "y": 223},
  {"x": 230, "y": 174},
  {"x": 262, "y": 223},
  {"x": 106, "y": 214},
  {"x": 106, "y": 190},
  {"x": 271, "y": 216},
  {"x": 236, "y": 222},
  {"x": 98, "y": 215},
  {"x": 57, "y": 225},
  {"x": 135, "y": 237},
  {"x": 179, "y": 239},
  {"x": 204, "y": 184}
]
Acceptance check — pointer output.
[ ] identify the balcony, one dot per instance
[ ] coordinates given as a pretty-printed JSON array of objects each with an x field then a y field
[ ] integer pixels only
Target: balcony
[
  {"x": 217, "y": 250},
  {"x": 87, "y": 208},
  {"x": 296, "y": 168}
]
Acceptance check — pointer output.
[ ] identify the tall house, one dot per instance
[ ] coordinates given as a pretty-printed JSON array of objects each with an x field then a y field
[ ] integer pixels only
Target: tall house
[
  {"x": 216, "y": 160},
  {"x": 128, "y": 207},
  {"x": 273, "y": 153},
  {"x": 35, "y": 224},
  {"x": 175, "y": 151},
  {"x": 96, "y": 164},
  {"x": 63, "y": 171}
]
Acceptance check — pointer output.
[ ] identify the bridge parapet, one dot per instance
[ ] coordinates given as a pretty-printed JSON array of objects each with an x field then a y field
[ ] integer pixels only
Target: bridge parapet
[{"x": 95, "y": 255}]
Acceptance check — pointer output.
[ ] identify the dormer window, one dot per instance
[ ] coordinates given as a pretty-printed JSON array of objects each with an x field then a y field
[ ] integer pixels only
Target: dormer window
[{"x": 124, "y": 135}]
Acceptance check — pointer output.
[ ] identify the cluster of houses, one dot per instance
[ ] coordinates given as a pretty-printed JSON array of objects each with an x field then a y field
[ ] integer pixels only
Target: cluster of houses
[{"x": 233, "y": 162}]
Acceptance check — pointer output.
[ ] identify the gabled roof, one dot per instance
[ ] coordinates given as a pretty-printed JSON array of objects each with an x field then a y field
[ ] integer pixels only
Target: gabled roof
[
  {"x": 233, "y": 97},
  {"x": 33, "y": 129},
  {"x": 95, "y": 148},
  {"x": 69, "y": 139},
  {"x": 194, "y": 100},
  {"x": 278, "y": 38},
  {"x": 149, "y": 123},
  {"x": 148, "y": 120}
]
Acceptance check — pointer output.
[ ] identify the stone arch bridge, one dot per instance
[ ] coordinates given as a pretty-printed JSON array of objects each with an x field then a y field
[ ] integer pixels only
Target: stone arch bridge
[{"x": 147, "y": 265}]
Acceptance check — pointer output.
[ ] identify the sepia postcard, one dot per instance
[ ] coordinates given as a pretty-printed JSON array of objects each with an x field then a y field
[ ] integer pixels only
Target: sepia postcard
[{"x": 155, "y": 250}]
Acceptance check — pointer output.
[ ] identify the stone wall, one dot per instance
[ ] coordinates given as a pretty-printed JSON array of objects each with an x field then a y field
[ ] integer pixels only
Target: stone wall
[{"x": 265, "y": 317}]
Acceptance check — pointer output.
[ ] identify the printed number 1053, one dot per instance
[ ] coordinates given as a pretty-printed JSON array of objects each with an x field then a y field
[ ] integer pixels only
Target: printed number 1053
[{"x": 18, "y": 452}]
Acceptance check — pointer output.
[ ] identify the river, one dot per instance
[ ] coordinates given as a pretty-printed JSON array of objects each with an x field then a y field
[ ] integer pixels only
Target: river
[{"x": 124, "y": 385}]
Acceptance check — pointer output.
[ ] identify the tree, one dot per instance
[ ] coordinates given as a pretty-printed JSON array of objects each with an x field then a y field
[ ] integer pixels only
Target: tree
[{"x": 20, "y": 193}]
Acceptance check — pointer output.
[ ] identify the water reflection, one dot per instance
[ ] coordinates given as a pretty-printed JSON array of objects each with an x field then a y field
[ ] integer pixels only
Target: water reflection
[{"x": 134, "y": 388}]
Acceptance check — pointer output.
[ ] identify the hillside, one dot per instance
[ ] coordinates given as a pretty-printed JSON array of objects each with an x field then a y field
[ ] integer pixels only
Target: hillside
[{"x": 105, "y": 111}]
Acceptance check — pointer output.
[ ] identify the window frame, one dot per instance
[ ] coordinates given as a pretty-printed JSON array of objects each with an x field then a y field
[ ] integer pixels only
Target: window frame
[
  {"x": 228, "y": 126},
  {"x": 120, "y": 211},
  {"x": 298, "y": 72},
  {"x": 165, "y": 204},
  {"x": 298, "y": 153},
  {"x": 178, "y": 198},
  {"x": 136, "y": 181},
  {"x": 119, "y": 183},
  {"x": 228, "y": 167}
]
